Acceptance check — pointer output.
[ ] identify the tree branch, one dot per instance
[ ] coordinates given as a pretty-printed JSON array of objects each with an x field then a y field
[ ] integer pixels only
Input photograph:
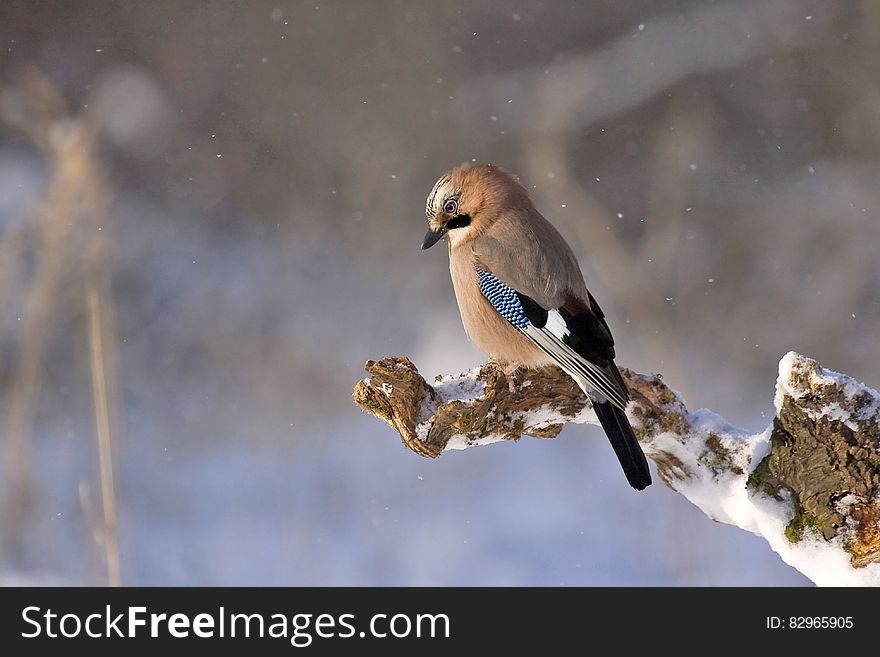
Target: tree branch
[{"x": 808, "y": 483}]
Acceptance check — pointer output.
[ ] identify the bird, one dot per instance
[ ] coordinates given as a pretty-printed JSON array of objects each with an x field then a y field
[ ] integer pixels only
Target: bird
[{"x": 522, "y": 296}]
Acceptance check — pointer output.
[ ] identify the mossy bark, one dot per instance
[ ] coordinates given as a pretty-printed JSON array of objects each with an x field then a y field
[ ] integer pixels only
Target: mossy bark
[{"x": 820, "y": 460}]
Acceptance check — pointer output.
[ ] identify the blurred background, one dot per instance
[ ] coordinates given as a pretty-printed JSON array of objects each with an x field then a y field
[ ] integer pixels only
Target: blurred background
[{"x": 210, "y": 216}]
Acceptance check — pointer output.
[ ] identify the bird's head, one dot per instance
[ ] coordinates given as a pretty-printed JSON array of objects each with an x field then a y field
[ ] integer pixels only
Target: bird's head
[{"x": 467, "y": 200}]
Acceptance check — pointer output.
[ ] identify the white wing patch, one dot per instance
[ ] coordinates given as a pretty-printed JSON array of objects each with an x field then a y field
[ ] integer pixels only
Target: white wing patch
[{"x": 556, "y": 324}]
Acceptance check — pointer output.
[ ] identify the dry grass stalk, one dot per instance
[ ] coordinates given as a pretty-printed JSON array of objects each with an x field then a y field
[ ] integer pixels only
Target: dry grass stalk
[
  {"x": 70, "y": 255},
  {"x": 105, "y": 451}
]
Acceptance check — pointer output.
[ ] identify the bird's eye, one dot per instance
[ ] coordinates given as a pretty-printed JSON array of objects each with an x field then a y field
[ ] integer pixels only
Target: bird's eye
[{"x": 451, "y": 206}]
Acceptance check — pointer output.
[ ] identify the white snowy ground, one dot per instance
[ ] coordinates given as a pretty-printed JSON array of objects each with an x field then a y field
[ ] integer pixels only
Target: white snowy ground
[{"x": 722, "y": 494}]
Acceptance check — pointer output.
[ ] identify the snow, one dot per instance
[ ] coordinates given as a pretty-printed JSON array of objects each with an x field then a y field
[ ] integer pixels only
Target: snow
[
  {"x": 792, "y": 363},
  {"x": 462, "y": 442},
  {"x": 465, "y": 387},
  {"x": 726, "y": 498},
  {"x": 540, "y": 418}
]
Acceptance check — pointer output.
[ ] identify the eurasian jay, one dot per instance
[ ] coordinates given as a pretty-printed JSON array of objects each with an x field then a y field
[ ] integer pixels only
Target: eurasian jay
[{"x": 522, "y": 296}]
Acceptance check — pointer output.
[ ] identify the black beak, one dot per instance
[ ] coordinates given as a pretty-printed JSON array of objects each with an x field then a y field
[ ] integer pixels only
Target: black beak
[{"x": 432, "y": 237}]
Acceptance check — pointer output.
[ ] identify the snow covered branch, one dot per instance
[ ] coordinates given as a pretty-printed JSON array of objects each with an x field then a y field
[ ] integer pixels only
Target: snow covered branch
[{"x": 809, "y": 483}]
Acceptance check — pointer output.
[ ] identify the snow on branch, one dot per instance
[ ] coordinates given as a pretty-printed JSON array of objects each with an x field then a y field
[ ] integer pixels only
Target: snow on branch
[{"x": 809, "y": 483}]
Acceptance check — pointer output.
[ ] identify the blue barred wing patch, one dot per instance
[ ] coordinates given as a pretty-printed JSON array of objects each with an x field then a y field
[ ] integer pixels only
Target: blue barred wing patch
[{"x": 503, "y": 298}]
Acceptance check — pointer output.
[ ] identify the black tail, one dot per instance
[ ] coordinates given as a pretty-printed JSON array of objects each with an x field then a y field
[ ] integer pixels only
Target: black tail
[{"x": 625, "y": 445}]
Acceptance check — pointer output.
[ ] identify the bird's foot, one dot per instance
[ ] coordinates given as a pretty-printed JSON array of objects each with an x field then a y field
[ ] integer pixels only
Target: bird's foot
[{"x": 510, "y": 371}]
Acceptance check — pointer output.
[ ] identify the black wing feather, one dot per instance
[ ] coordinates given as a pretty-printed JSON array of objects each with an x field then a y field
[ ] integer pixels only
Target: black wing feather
[
  {"x": 589, "y": 336},
  {"x": 535, "y": 314}
]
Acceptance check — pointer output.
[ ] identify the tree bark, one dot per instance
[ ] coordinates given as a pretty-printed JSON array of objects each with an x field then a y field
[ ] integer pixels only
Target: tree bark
[{"x": 808, "y": 483}]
